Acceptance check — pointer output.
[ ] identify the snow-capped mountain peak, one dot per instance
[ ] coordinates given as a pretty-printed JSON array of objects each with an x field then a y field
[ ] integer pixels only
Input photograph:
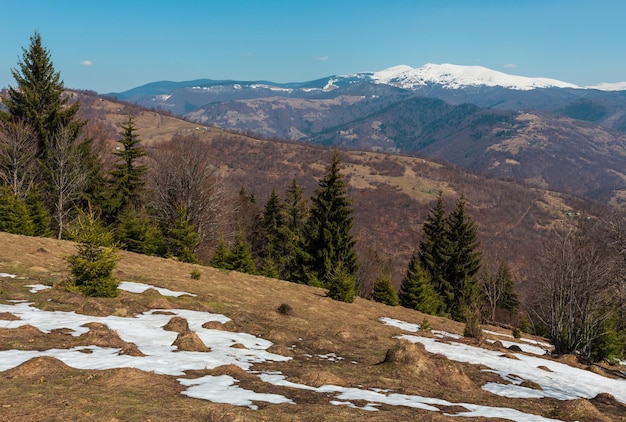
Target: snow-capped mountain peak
[{"x": 456, "y": 76}]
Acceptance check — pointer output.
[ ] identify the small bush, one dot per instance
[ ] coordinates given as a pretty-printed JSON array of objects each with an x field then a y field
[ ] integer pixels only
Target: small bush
[
  {"x": 517, "y": 333},
  {"x": 93, "y": 265},
  {"x": 425, "y": 325},
  {"x": 341, "y": 286},
  {"x": 384, "y": 292},
  {"x": 195, "y": 274},
  {"x": 285, "y": 309}
]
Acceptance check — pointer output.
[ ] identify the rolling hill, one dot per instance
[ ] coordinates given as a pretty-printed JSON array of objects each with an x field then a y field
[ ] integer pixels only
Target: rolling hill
[
  {"x": 391, "y": 194},
  {"x": 542, "y": 132}
]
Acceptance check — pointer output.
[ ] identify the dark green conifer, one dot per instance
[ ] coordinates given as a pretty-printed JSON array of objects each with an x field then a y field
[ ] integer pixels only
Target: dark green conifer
[
  {"x": 295, "y": 215},
  {"x": 221, "y": 256},
  {"x": 241, "y": 258},
  {"x": 182, "y": 239},
  {"x": 384, "y": 291},
  {"x": 434, "y": 250},
  {"x": 328, "y": 244},
  {"x": 135, "y": 231},
  {"x": 14, "y": 214},
  {"x": 128, "y": 176},
  {"x": 463, "y": 263},
  {"x": 508, "y": 299},
  {"x": 38, "y": 98},
  {"x": 417, "y": 291},
  {"x": 92, "y": 267},
  {"x": 341, "y": 285}
]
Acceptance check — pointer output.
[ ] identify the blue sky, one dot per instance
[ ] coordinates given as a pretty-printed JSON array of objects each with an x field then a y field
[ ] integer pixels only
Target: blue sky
[{"x": 116, "y": 45}]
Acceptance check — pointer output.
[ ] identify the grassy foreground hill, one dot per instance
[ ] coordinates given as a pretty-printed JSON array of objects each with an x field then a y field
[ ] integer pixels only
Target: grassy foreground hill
[{"x": 342, "y": 361}]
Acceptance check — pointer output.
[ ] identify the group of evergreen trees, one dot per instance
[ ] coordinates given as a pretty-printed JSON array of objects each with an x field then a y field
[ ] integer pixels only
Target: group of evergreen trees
[
  {"x": 300, "y": 242},
  {"x": 50, "y": 174},
  {"x": 441, "y": 278}
]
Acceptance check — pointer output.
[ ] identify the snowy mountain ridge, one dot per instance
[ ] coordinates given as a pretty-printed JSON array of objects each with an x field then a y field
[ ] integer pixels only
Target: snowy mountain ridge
[{"x": 455, "y": 77}]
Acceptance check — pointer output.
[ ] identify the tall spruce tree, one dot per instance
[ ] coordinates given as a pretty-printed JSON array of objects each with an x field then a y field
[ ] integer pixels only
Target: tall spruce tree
[
  {"x": 273, "y": 230},
  {"x": 295, "y": 214},
  {"x": 329, "y": 246},
  {"x": 434, "y": 249},
  {"x": 417, "y": 291},
  {"x": 463, "y": 262},
  {"x": 38, "y": 98},
  {"x": 128, "y": 176}
]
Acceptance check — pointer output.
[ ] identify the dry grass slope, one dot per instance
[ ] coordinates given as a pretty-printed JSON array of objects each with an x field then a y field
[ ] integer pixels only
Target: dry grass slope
[{"x": 47, "y": 389}]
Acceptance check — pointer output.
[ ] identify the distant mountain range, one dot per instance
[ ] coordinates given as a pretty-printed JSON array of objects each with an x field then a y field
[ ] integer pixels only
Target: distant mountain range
[{"x": 542, "y": 131}]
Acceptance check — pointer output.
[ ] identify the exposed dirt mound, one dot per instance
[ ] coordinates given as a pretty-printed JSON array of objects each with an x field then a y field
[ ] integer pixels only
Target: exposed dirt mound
[
  {"x": 190, "y": 342},
  {"x": 131, "y": 378},
  {"x": 213, "y": 325},
  {"x": 319, "y": 378},
  {"x": 7, "y": 316},
  {"x": 407, "y": 353},
  {"x": 103, "y": 336},
  {"x": 177, "y": 324},
  {"x": 578, "y": 410},
  {"x": 422, "y": 363},
  {"x": 160, "y": 303},
  {"x": 37, "y": 369}
]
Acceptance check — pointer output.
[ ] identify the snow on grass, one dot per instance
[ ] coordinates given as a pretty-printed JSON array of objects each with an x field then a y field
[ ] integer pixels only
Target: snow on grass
[
  {"x": 222, "y": 389},
  {"x": 146, "y": 332},
  {"x": 374, "y": 397},
  {"x": 34, "y": 288},
  {"x": 133, "y": 287},
  {"x": 535, "y": 350},
  {"x": 540, "y": 349},
  {"x": 556, "y": 379},
  {"x": 406, "y": 326},
  {"x": 6, "y": 275}
]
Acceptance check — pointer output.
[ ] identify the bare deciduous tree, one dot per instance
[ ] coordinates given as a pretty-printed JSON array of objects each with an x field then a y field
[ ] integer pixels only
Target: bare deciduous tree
[
  {"x": 65, "y": 176},
  {"x": 183, "y": 177},
  {"x": 18, "y": 144},
  {"x": 575, "y": 288}
]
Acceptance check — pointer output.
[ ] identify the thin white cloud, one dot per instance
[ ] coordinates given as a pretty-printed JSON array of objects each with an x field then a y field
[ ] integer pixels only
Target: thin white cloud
[
  {"x": 86, "y": 63},
  {"x": 510, "y": 65},
  {"x": 322, "y": 58}
]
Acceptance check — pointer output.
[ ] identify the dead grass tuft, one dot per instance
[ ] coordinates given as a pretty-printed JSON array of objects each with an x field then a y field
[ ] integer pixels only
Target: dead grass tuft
[
  {"x": 319, "y": 378},
  {"x": 578, "y": 410},
  {"x": 37, "y": 369}
]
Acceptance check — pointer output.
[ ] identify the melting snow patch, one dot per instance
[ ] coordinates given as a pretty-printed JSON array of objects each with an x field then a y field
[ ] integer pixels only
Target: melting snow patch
[
  {"x": 442, "y": 334},
  {"x": 6, "y": 275},
  {"x": 331, "y": 357},
  {"x": 563, "y": 382},
  {"x": 34, "y": 288},
  {"x": 132, "y": 287},
  {"x": 405, "y": 326},
  {"x": 222, "y": 389},
  {"x": 346, "y": 396}
]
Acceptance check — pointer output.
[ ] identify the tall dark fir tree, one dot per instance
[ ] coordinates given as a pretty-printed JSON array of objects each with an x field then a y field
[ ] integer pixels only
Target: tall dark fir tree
[
  {"x": 38, "y": 99},
  {"x": 463, "y": 262},
  {"x": 329, "y": 245},
  {"x": 128, "y": 175},
  {"x": 434, "y": 249}
]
